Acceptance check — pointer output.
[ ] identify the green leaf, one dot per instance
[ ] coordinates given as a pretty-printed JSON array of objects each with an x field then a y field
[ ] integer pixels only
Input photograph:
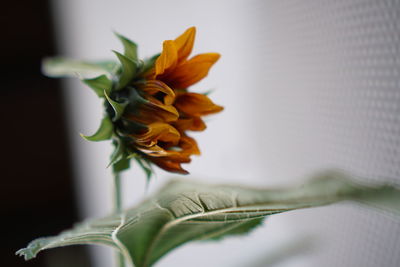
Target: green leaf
[
  {"x": 99, "y": 84},
  {"x": 64, "y": 67},
  {"x": 117, "y": 107},
  {"x": 109, "y": 65},
  {"x": 129, "y": 69},
  {"x": 240, "y": 229},
  {"x": 184, "y": 211},
  {"x": 104, "y": 132},
  {"x": 130, "y": 48}
]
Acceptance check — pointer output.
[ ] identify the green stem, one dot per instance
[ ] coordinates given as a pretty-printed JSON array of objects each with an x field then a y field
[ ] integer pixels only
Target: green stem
[
  {"x": 119, "y": 257},
  {"x": 117, "y": 193}
]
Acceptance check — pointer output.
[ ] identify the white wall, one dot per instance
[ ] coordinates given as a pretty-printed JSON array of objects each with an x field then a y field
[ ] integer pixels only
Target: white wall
[{"x": 306, "y": 85}]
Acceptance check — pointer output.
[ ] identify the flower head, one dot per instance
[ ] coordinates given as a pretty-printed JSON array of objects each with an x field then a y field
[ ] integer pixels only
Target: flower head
[{"x": 150, "y": 108}]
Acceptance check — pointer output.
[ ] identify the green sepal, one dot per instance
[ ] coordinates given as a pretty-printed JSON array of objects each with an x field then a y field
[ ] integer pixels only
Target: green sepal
[
  {"x": 64, "y": 67},
  {"x": 144, "y": 164},
  {"x": 117, "y": 107},
  {"x": 130, "y": 47},
  {"x": 149, "y": 63},
  {"x": 99, "y": 84},
  {"x": 207, "y": 93},
  {"x": 129, "y": 126},
  {"x": 119, "y": 152},
  {"x": 136, "y": 100},
  {"x": 104, "y": 132},
  {"x": 128, "y": 72},
  {"x": 121, "y": 165}
]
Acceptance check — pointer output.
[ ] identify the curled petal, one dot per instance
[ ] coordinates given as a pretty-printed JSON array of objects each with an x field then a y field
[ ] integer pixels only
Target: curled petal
[
  {"x": 166, "y": 159},
  {"x": 191, "y": 71},
  {"x": 170, "y": 165},
  {"x": 186, "y": 147},
  {"x": 153, "y": 112},
  {"x": 147, "y": 109},
  {"x": 157, "y": 151},
  {"x": 171, "y": 160},
  {"x": 189, "y": 145},
  {"x": 167, "y": 59},
  {"x": 157, "y": 132},
  {"x": 154, "y": 151},
  {"x": 155, "y": 87},
  {"x": 184, "y": 43},
  {"x": 190, "y": 124},
  {"x": 196, "y": 104}
]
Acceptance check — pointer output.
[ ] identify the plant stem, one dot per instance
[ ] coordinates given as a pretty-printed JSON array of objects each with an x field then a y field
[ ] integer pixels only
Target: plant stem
[
  {"x": 117, "y": 193},
  {"x": 119, "y": 257}
]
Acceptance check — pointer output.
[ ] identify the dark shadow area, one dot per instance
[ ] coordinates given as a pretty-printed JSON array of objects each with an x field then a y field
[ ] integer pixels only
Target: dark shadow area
[{"x": 37, "y": 197}]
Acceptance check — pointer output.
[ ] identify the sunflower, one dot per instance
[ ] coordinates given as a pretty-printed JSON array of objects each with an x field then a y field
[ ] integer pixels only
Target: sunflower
[
  {"x": 170, "y": 110},
  {"x": 149, "y": 109}
]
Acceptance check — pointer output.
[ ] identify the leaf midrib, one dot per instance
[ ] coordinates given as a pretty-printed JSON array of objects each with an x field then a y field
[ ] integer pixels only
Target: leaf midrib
[{"x": 177, "y": 221}]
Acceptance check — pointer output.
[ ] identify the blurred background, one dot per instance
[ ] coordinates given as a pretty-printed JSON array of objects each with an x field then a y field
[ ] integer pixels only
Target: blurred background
[{"x": 306, "y": 85}]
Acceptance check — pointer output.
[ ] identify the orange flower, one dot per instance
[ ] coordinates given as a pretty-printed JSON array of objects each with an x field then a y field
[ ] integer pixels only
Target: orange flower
[
  {"x": 173, "y": 66},
  {"x": 164, "y": 110},
  {"x": 148, "y": 107}
]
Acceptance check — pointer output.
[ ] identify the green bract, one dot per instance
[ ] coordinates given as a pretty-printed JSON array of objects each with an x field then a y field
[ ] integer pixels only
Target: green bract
[{"x": 110, "y": 80}]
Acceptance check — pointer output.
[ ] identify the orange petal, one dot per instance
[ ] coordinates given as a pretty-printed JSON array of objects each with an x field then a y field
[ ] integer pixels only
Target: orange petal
[
  {"x": 157, "y": 132},
  {"x": 157, "y": 109},
  {"x": 191, "y": 124},
  {"x": 184, "y": 43},
  {"x": 169, "y": 165},
  {"x": 154, "y": 87},
  {"x": 189, "y": 145},
  {"x": 153, "y": 111},
  {"x": 167, "y": 59},
  {"x": 191, "y": 71},
  {"x": 196, "y": 104},
  {"x": 154, "y": 151}
]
